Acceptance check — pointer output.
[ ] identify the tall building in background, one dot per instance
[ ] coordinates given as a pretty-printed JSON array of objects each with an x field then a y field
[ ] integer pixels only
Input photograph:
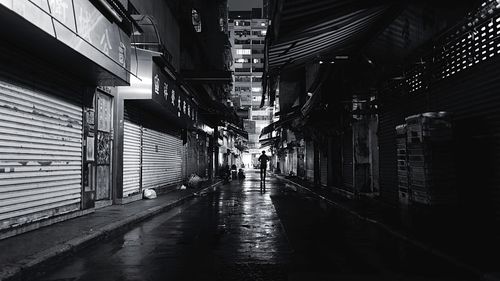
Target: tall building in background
[{"x": 247, "y": 35}]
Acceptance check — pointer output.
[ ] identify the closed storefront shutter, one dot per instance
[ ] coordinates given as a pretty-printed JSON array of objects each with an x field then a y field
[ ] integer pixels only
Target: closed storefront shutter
[
  {"x": 347, "y": 160},
  {"x": 40, "y": 155},
  {"x": 309, "y": 160},
  {"x": 161, "y": 159},
  {"x": 131, "y": 159},
  {"x": 192, "y": 154},
  {"x": 324, "y": 168}
]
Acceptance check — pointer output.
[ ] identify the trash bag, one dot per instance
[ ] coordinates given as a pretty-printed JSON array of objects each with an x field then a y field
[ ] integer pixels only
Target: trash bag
[
  {"x": 149, "y": 194},
  {"x": 194, "y": 181}
]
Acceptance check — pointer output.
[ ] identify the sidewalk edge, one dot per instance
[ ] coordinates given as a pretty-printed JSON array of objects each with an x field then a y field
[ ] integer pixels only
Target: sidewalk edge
[
  {"x": 30, "y": 264},
  {"x": 396, "y": 233}
]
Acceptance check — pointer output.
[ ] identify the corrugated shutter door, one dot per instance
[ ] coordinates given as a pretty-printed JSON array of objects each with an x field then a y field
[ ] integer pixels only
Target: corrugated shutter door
[
  {"x": 40, "y": 155},
  {"x": 324, "y": 168},
  {"x": 347, "y": 156},
  {"x": 161, "y": 159},
  {"x": 131, "y": 159}
]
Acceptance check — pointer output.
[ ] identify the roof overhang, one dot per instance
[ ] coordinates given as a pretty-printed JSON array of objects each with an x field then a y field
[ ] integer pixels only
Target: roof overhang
[
  {"x": 90, "y": 62},
  {"x": 284, "y": 120},
  {"x": 304, "y": 30}
]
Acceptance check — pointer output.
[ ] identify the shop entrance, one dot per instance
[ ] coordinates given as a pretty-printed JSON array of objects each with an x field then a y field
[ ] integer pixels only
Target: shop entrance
[{"x": 99, "y": 144}]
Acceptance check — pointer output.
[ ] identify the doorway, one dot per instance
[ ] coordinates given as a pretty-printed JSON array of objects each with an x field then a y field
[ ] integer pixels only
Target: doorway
[{"x": 99, "y": 145}]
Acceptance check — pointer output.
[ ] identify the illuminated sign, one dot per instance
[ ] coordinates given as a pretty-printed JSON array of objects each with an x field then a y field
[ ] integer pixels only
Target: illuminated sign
[
  {"x": 172, "y": 98},
  {"x": 81, "y": 26}
]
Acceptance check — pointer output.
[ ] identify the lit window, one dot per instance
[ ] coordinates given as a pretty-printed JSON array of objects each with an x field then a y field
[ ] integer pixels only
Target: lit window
[
  {"x": 263, "y": 32},
  {"x": 256, "y": 89},
  {"x": 222, "y": 24},
  {"x": 243, "y": 52},
  {"x": 256, "y": 60},
  {"x": 196, "y": 20},
  {"x": 262, "y": 24}
]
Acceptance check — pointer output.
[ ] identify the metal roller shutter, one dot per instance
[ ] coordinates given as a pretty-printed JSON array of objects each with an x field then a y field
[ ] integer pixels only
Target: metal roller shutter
[
  {"x": 131, "y": 159},
  {"x": 324, "y": 168},
  {"x": 309, "y": 160},
  {"x": 161, "y": 159},
  {"x": 40, "y": 156},
  {"x": 347, "y": 159}
]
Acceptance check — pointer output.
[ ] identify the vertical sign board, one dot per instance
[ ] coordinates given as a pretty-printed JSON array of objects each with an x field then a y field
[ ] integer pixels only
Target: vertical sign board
[
  {"x": 81, "y": 26},
  {"x": 167, "y": 93}
]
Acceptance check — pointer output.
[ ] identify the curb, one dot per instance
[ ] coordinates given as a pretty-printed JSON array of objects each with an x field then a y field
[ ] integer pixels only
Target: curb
[
  {"x": 398, "y": 234},
  {"x": 29, "y": 265}
]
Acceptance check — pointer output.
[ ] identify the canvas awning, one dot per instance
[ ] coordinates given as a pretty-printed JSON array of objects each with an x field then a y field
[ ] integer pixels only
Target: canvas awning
[
  {"x": 237, "y": 130},
  {"x": 303, "y": 30},
  {"x": 280, "y": 123}
]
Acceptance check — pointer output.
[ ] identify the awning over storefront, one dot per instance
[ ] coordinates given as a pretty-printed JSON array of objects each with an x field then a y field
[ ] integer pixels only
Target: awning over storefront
[
  {"x": 214, "y": 112},
  {"x": 321, "y": 26},
  {"x": 303, "y": 30},
  {"x": 286, "y": 119},
  {"x": 314, "y": 91},
  {"x": 269, "y": 141},
  {"x": 96, "y": 44},
  {"x": 237, "y": 130}
]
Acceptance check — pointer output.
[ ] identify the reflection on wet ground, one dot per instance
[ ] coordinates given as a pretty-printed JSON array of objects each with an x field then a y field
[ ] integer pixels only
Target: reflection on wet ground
[{"x": 241, "y": 233}]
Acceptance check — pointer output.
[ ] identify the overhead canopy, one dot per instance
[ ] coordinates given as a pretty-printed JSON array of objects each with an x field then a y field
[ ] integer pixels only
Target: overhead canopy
[
  {"x": 269, "y": 141},
  {"x": 146, "y": 35},
  {"x": 280, "y": 123},
  {"x": 304, "y": 29},
  {"x": 212, "y": 111},
  {"x": 31, "y": 27},
  {"x": 238, "y": 130},
  {"x": 315, "y": 89}
]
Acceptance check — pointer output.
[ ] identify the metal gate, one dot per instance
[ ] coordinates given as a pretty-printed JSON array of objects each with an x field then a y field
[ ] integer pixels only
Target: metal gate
[
  {"x": 40, "y": 155},
  {"x": 347, "y": 160},
  {"x": 324, "y": 168},
  {"x": 161, "y": 159},
  {"x": 131, "y": 159}
]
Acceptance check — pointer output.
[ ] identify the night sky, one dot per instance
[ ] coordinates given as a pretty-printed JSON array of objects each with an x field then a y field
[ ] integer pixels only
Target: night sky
[{"x": 241, "y": 5}]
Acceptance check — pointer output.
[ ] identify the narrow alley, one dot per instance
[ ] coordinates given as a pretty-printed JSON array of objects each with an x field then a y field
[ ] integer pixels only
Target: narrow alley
[
  {"x": 241, "y": 233},
  {"x": 133, "y": 135}
]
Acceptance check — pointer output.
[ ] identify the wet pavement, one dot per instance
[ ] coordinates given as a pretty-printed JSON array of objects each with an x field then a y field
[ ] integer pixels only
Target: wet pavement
[{"x": 242, "y": 233}]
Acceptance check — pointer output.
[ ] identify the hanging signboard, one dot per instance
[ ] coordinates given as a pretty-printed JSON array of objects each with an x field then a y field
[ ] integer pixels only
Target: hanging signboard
[{"x": 167, "y": 93}]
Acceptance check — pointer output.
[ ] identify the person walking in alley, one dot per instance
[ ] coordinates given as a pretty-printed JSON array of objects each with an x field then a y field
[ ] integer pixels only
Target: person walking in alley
[{"x": 263, "y": 158}]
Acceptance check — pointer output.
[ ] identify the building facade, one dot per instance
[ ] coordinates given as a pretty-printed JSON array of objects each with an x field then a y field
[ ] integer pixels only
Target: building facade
[
  {"x": 248, "y": 30},
  {"x": 127, "y": 114},
  {"x": 410, "y": 123}
]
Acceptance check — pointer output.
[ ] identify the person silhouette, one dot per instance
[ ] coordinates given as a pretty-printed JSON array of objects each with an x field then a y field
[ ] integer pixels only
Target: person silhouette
[{"x": 263, "y": 158}]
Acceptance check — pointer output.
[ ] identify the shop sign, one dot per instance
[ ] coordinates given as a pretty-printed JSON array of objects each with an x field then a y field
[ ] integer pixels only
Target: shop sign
[
  {"x": 166, "y": 92},
  {"x": 80, "y": 25}
]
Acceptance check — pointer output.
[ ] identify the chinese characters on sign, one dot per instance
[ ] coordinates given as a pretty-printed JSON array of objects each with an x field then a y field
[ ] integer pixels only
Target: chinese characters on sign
[
  {"x": 166, "y": 92},
  {"x": 80, "y": 25}
]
